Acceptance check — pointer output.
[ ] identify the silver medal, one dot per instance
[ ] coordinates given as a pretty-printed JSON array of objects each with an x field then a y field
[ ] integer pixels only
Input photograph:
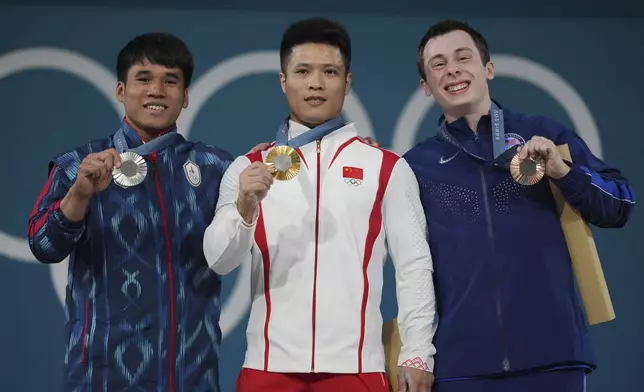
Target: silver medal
[{"x": 132, "y": 171}]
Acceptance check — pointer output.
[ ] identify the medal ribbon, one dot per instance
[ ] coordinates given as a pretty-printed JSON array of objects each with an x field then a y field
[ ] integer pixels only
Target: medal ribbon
[
  {"x": 307, "y": 137},
  {"x": 156, "y": 144},
  {"x": 501, "y": 157}
]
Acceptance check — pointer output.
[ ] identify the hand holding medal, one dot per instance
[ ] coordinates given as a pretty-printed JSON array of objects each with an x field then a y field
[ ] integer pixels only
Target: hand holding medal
[
  {"x": 254, "y": 183},
  {"x": 538, "y": 157},
  {"x": 95, "y": 172}
]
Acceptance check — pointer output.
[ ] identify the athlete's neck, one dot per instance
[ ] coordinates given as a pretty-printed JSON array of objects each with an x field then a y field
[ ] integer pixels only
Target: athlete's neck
[
  {"x": 146, "y": 135},
  {"x": 310, "y": 125},
  {"x": 472, "y": 114}
]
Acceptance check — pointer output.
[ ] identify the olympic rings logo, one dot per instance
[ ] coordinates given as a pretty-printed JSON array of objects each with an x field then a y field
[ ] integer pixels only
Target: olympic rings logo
[
  {"x": 352, "y": 181},
  {"x": 251, "y": 63}
]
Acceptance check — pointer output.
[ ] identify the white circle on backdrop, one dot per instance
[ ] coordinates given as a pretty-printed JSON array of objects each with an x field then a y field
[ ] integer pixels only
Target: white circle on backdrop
[
  {"x": 252, "y": 63},
  {"x": 213, "y": 80},
  {"x": 90, "y": 71},
  {"x": 203, "y": 89},
  {"x": 515, "y": 67}
]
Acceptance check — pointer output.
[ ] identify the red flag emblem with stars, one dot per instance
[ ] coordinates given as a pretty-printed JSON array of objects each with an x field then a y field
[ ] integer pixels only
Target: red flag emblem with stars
[{"x": 352, "y": 172}]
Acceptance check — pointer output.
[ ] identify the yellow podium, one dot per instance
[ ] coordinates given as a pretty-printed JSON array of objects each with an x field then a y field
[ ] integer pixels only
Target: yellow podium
[{"x": 585, "y": 260}]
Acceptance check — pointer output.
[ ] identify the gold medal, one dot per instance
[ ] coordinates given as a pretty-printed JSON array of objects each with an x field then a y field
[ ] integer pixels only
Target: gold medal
[
  {"x": 527, "y": 171},
  {"x": 284, "y": 162}
]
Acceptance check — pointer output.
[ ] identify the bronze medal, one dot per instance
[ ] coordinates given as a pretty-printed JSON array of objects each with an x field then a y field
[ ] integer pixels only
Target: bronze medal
[{"x": 527, "y": 171}]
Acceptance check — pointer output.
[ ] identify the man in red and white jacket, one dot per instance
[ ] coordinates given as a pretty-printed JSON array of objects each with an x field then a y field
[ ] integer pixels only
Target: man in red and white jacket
[{"x": 318, "y": 242}]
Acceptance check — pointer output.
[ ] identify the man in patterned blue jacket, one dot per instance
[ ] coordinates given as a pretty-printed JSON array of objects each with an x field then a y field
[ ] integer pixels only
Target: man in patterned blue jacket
[
  {"x": 510, "y": 319},
  {"x": 142, "y": 305}
]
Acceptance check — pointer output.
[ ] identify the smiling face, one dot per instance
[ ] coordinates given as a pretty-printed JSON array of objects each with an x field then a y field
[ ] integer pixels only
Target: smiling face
[
  {"x": 153, "y": 97},
  {"x": 315, "y": 82},
  {"x": 456, "y": 75}
]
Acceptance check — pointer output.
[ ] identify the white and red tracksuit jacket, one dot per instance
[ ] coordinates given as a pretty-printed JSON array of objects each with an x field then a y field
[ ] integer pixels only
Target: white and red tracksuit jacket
[{"x": 318, "y": 246}]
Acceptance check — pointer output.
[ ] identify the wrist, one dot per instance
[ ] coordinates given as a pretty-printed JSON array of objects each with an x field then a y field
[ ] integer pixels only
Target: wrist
[
  {"x": 75, "y": 196},
  {"x": 74, "y": 205},
  {"x": 560, "y": 171},
  {"x": 246, "y": 209}
]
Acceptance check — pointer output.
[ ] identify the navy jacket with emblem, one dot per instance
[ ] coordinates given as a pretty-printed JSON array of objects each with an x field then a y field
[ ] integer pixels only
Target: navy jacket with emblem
[
  {"x": 505, "y": 288},
  {"x": 142, "y": 306}
]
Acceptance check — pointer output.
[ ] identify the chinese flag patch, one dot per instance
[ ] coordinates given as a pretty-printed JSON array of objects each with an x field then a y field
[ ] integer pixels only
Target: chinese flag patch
[{"x": 352, "y": 172}]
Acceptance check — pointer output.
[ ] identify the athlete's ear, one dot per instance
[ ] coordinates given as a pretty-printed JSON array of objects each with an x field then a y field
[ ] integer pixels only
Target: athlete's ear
[
  {"x": 489, "y": 67},
  {"x": 347, "y": 85},
  {"x": 283, "y": 81},
  {"x": 120, "y": 91},
  {"x": 425, "y": 87}
]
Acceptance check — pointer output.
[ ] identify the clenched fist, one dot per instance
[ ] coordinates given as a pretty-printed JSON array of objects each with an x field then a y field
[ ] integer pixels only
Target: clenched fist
[
  {"x": 254, "y": 183},
  {"x": 95, "y": 173}
]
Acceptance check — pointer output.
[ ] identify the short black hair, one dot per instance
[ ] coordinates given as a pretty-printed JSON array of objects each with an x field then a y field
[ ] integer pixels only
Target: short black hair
[
  {"x": 445, "y": 27},
  {"x": 158, "y": 48},
  {"x": 317, "y": 31}
]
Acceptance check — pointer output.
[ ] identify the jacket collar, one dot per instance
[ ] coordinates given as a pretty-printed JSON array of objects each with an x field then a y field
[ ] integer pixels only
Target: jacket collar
[
  {"x": 347, "y": 131},
  {"x": 460, "y": 129},
  {"x": 132, "y": 135}
]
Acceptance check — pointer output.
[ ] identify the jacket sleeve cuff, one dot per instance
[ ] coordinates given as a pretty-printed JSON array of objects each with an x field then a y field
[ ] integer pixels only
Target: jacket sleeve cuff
[
  {"x": 252, "y": 224},
  {"x": 574, "y": 182},
  {"x": 416, "y": 360},
  {"x": 71, "y": 229}
]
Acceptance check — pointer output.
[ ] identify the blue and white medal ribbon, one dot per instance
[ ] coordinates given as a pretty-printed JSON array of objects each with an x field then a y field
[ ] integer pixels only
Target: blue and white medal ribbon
[
  {"x": 133, "y": 168},
  {"x": 283, "y": 159},
  {"x": 525, "y": 172}
]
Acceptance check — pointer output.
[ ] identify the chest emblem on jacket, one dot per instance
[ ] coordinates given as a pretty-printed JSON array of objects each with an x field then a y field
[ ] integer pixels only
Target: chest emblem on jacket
[
  {"x": 513, "y": 139},
  {"x": 352, "y": 175},
  {"x": 193, "y": 174}
]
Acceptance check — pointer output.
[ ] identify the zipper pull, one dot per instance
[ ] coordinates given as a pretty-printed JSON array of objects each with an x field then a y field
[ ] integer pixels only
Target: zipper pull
[
  {"x": 153, "y": 159},
  {"x": 318, "y": 148}
]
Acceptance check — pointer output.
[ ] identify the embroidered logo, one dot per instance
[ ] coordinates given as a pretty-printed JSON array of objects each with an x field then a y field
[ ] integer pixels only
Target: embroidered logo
[
  {"x": 192, "y": 173},
  {"x": 352, "y": 175},
  {"x": 445, "y": 160},
  {"x": 513, "y": 139}
]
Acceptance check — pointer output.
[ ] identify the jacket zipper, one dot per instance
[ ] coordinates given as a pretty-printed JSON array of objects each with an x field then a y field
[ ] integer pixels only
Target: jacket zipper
[
  {"x": 315, "y": 264},
  {"x": 170, "y": 276},
  {"x": 490, "y": 233}
]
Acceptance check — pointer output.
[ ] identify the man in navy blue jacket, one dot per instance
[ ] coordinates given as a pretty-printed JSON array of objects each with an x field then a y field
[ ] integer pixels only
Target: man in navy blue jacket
[
  {"x": 142, "y": 305},
  {"x": 510, "y": 318}
]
